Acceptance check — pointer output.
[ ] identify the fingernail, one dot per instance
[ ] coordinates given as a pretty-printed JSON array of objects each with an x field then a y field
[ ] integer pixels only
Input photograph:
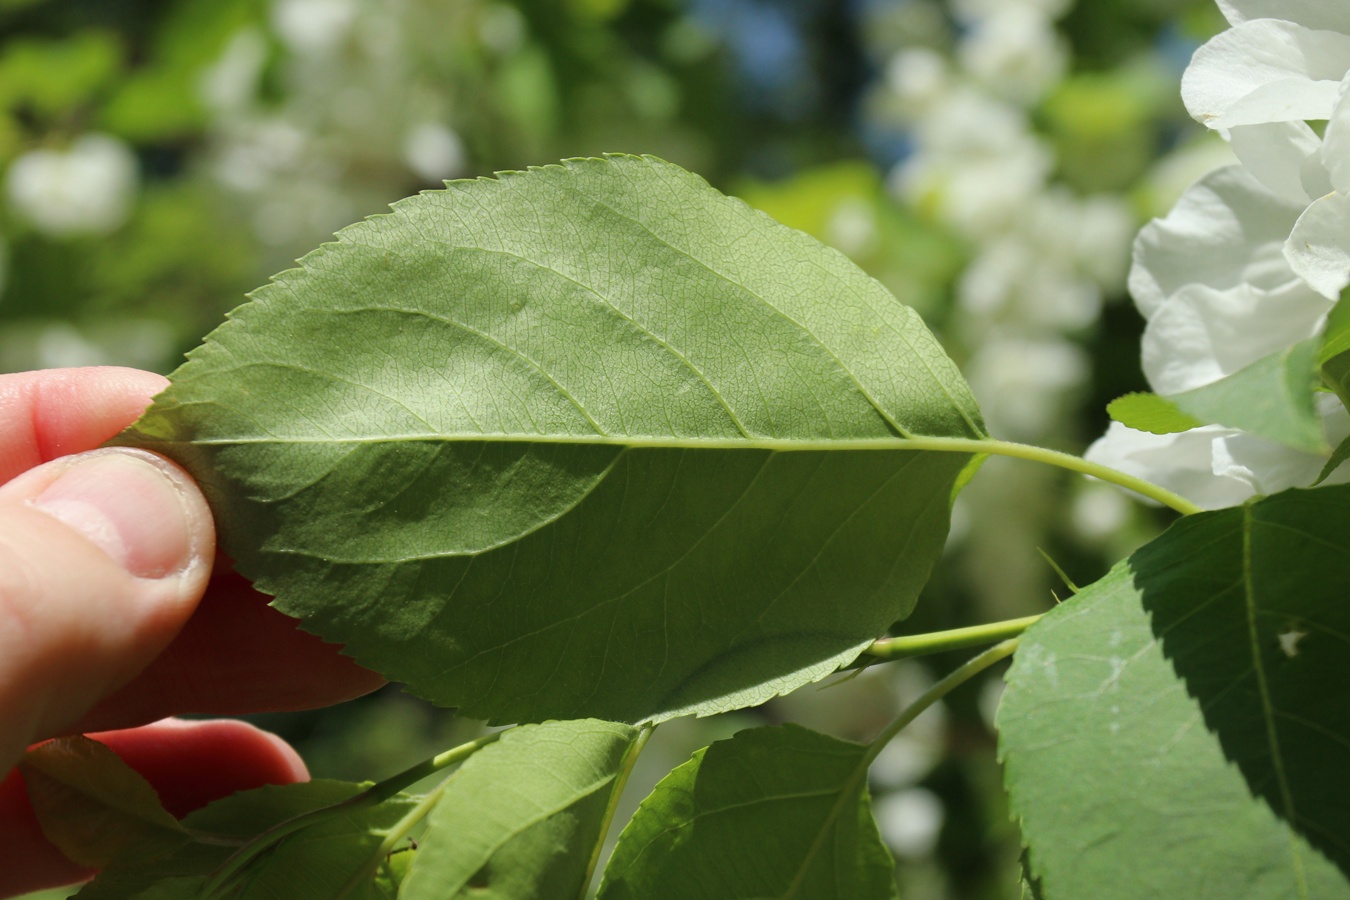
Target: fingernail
[{"x": 131, "y": 504}]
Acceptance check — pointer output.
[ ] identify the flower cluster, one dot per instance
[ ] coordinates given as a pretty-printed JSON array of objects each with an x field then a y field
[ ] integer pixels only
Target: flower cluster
[
  {"x": 1043, "y": 258},
  {"x": 1253, "y": 256}
]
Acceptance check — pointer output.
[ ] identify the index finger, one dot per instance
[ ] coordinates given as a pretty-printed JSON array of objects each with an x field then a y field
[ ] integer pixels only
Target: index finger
[{"x": 56, "y": 412}]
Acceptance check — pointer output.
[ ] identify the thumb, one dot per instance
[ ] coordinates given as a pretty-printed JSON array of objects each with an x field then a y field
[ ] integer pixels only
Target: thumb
[{"x": 103, "y": 557}]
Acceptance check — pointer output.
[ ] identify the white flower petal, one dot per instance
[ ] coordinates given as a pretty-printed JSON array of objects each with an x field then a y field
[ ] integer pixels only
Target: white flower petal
[
  {"x": 1265, "y": 465},
  {"x": 1226, "y": 230},
  {"x": 1182, "y": 463},
  {"x": 1201, "y": 335},
  {"x": 1335, "y": 155},
  {"x": 1265, "y": 70},
  {"x": 1275, "y": 152},
  {"x": 1285, "y": 100},
  {"x": 1331, "y": 15},
  {"x": 1318, "y": 249}
]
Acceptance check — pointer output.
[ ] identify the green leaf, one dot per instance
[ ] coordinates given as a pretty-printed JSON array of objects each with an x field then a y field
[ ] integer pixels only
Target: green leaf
[
  {"x": 1151, "y": 413},
  {"x": 1334, "y": 356},
  {"x": 1272, "y": 397},
  {"x": 91, "y": 804},
  {"x": 1179, "y": 728},
  {"x": 1338, "y": 456},
  {"x": 588, "y": 441},
  {"x": 522, "y": 817},
  {"x": 314, "y": 862},
  {"x": 773, "y": 812}
]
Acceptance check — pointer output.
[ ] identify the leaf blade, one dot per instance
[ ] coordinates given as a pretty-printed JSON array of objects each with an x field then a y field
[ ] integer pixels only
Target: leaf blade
[
  {"x": 1177, "y": 711},
  {"x": 91, "y": 804},
  {"x": 772, "y": 812},
  {"x": 521, "y": 817},
  {"x": 419, "y": 443}
]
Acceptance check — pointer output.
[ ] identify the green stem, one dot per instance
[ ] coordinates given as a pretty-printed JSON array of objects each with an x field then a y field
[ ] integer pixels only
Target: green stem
[
  {"x": 909, "y": 645},
  {"x": 620, "y": 779},
  {"x": 955, "y": 679},
  {"x": 376, "y": 793},
  {"x": 1073, "y": 464}
]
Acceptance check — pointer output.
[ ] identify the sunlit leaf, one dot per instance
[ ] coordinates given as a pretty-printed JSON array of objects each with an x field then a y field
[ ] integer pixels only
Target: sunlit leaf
[
  {"x": 522, "y": 817},
  {"x": 1178, "y": 729},
  {"x": 591, "y": 440},
  {"x": 777, "y": 812},
  {"x": 1151, "y": 413}
]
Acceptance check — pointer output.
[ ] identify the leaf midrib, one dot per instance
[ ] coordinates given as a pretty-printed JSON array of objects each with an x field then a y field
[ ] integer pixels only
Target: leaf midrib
[{"x": 777, "y": 445}]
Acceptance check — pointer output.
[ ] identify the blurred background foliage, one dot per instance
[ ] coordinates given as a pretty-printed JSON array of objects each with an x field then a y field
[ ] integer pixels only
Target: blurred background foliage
[{"x": 988, "y": 160}]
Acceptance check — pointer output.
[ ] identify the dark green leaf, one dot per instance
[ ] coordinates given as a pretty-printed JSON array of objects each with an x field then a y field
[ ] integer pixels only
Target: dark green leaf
[
  {"x": 312, "y": 863},
  {"x": 1151, "y": 413},
  {"x": 773, "y": 812},
  {"x": 1338, "y": 456},
  {"x": 91, "y": 804},
  {"x": 521, "y": 818},
  {"x": 1179, "y": 728},
  {"x": 1272, "y": 397},
  {"x": 591, "y": 440}
]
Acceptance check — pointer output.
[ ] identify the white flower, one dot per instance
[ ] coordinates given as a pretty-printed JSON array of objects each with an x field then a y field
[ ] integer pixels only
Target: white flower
[
  {"x": 1024, "y": 384},
  {"x": 1266, "y": 70},
  {"x": 919, "y": 76},
  {"x": 314, "y": 27},
  {"x": 909, "y": 821},
  {"x": 1015, "y": 53},
  {"x": 86, "y": 189},
  {"x": 1251, "y": 258},
  {"x": 433, "y": 151}
]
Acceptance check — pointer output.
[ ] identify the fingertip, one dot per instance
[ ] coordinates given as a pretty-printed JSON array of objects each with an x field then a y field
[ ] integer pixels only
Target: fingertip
[{"x": 194, "y": 762}]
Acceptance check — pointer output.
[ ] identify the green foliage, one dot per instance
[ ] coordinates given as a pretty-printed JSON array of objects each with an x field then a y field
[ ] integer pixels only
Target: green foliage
[
  {"x": 772, "y": 812},
  {"x": 540, "y": 448},
  {"x": 521, "y": 818},
  {"x": 316, "y": 861},
  {"x": 90, "y": 803},
  {"x": 1272, "y": 398},
  {"x": 1149, "y": 412},
  {"x": 1178, "y": 729}
]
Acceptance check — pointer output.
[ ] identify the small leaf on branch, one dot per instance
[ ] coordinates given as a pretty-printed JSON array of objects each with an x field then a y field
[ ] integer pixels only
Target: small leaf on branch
[
  {"x": 1178, "y": 729},
  {"x": 772, "y": 812},
  {"x": 588, "y": 440},
  {"x": 1338, "y": 456},
  {"x": 92, "y": 805},
  {"x": 1272, "y": 398},
  {"x": 311, "y": 863},
  {"x": 1151, "y": 413},
  {"x": 522, "y": 817}
]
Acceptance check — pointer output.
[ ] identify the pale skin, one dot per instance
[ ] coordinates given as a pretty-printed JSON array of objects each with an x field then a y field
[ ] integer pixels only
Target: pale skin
[{"x": 115, "y": 614}]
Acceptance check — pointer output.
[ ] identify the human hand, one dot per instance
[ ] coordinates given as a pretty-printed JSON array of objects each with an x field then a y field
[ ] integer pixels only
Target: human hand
[{"x": 111, "y": 618}]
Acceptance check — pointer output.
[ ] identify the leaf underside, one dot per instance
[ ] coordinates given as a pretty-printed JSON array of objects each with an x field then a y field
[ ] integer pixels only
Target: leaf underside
[
  {"x": 522, "y": 816},
  {"x": 576, "y": 442},
  {"x": 778, "y": 812},
  {"x": 91, "y": 804},
  {"x": 1188, "y": 708},
  {"x": 314, "y": 862}
]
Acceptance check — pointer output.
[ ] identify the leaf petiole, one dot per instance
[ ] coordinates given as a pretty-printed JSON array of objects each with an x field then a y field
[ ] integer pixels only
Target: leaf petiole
[
  {"x": 911, "y": 645},
  {"x": 620, "y": 779},
  {"x": 953, "y": 680}
]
